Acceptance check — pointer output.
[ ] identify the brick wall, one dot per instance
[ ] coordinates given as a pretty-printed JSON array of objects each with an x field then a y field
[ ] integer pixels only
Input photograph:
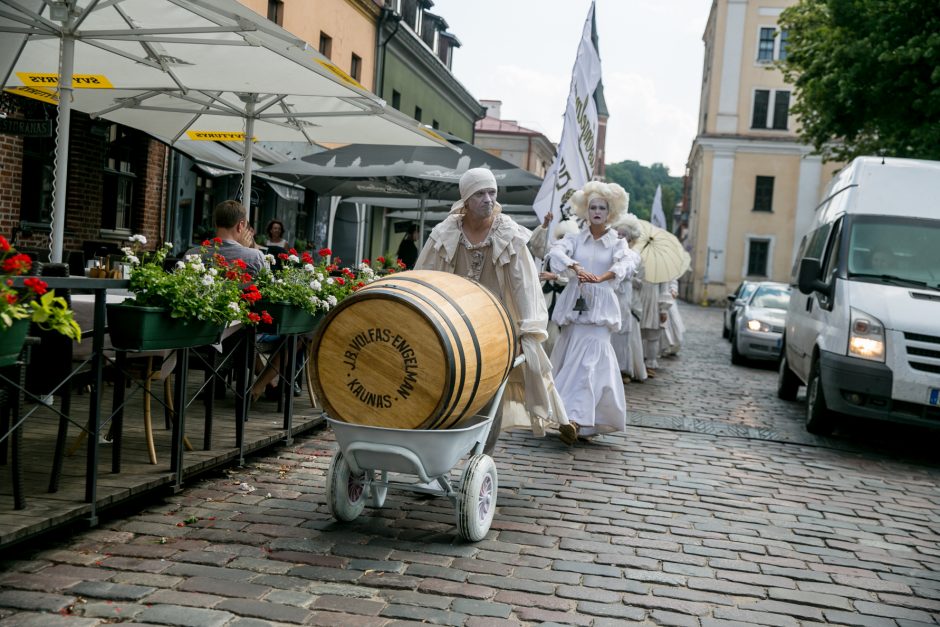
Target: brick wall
[{"x": 87, "y": 156}]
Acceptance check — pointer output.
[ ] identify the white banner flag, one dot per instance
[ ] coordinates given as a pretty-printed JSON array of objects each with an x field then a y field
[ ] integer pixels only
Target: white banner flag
[
  {"x": 657, "y": 217},
  {"x": 574, "y": 164}
]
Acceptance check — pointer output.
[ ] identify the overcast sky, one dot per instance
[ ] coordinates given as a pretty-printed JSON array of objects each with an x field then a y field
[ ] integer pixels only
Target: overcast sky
[{"x": 522, "y": 52}]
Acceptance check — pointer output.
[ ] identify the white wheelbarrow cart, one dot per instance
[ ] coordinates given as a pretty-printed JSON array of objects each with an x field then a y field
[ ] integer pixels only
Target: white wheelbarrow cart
[{"x": 360, "y": 470}]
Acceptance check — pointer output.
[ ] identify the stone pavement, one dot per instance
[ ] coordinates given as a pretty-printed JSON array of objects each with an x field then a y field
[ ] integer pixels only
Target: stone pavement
[{"x": 714, "y": 508}]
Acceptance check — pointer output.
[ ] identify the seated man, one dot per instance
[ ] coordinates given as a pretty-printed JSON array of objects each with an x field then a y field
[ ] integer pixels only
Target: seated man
[{"x": 231, "y": 226}]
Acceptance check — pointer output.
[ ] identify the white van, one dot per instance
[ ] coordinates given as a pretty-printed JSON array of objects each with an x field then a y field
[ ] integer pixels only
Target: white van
[{"x": 863, "y": 333}]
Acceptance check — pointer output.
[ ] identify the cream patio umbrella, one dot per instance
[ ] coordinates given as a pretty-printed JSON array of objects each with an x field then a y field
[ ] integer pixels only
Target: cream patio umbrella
[
  {"x": 664, "y": 259},
  {"x": 203, "y": 69}
]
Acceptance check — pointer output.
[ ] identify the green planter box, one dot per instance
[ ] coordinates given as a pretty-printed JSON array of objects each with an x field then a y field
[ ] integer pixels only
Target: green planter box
[
  {"x": 152, "y": 328},
  {"x": 287, "y": 319},
  {"x": 11, "y": 341}
]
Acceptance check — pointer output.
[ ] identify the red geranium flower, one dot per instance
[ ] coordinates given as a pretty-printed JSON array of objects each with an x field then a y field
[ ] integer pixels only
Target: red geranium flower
[
  {"x": 340, "y": 280},
  {"x": 253, "y": 317},
  {"x": 4, "y": 244},
  {"x": 380, "y": 259},
  {"x": 37, "y": 285},
  {"x": 325, "y": 252},
  {"x": 240, "y": 263},
  {"x": 266, "y": 317}
]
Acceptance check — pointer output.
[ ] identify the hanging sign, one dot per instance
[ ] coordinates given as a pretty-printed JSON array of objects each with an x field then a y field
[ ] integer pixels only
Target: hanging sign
[
  {"x": 36, "y": 93},
  {"x": 26, "y": 128},
  {"x": 215, "y": 136},
  {"x": 79, "y": 81}
]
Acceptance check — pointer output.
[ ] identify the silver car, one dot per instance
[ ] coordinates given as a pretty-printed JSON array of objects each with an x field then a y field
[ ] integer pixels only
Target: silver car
[
  {"x": 736, "y": 301},
  {"x": 758, "y": 328}
]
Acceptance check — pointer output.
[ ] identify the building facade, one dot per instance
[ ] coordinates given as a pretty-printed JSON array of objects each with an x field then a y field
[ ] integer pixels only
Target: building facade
[
  {"x": 506, "y": 139},
  {"x": 752, "y": 185}
]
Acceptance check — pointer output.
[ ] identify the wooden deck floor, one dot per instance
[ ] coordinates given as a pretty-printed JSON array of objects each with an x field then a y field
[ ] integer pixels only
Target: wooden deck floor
[{"x": 45, "y": 512}]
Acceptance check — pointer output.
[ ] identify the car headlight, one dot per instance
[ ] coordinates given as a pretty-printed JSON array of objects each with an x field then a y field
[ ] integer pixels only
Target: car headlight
[
  {"x": 866, "y": 336},
  {"x": 759, "y": 326}
]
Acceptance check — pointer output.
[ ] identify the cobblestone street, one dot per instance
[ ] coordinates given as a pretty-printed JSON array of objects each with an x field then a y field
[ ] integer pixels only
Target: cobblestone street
[{"x": 716, "y": 507}]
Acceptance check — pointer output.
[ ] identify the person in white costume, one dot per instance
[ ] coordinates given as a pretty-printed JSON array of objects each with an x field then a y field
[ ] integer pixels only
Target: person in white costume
[
  {"x": 650, "y": 303},
  {"x": 552, "y": 284},
  {"x": 479, "y": 242},
  {"x": 674, "y": 329},
  {"x": 588, "y": 312},
  {"x": 628, "y": 345}
]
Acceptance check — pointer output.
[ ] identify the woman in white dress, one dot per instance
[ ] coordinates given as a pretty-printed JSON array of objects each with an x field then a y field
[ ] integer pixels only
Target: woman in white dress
[
  {"x": 588, "y": 311},
  {"x": 674, "y": 329},
  {"x": 628, "y": 345}
]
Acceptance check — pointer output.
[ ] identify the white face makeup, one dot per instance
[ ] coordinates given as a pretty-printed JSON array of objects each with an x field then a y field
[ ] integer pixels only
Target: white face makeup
[
  {"x": 598, "y": 211},
  {"x": 481, "y": 203}
]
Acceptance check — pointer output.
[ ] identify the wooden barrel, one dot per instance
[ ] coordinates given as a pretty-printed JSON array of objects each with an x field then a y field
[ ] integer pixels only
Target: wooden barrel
[{"x": 414, "y": 350}]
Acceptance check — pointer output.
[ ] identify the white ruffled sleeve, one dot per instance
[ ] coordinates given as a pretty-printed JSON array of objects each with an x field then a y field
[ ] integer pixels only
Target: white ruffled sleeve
[
  {"x": 559, "y": 256},
  {"x": 624, "y": 262}
]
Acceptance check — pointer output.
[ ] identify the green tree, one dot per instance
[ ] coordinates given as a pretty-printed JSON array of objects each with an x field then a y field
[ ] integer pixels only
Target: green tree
[
  {"x": 867, "y": 76},
  {"x": 641, "y": 181}
]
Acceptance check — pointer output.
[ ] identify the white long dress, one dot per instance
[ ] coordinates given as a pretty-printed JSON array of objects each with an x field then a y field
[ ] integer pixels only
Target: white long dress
[
  {"x": 584, "y": 364},
  {"x": 628, "y": 345},
  {"x": 674, "y": 329}
]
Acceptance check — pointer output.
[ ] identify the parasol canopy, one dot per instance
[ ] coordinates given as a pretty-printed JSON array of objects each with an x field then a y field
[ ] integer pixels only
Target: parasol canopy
[
  {"x": 664, "y": 258},
  {"x": 196, "y": 69}
]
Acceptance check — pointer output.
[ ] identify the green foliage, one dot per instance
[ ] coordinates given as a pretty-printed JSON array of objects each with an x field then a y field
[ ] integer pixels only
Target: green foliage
[
  {"x": 204, "y": 287},
  {"x": 641, "y": 181},
  {"x": 300, "y": 281},
  {"x": 867, "y": 76},
  {"x": 34, "y": 302}
]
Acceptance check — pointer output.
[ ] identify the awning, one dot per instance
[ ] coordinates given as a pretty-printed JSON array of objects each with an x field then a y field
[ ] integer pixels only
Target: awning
[{"x": 217, "y": 160}]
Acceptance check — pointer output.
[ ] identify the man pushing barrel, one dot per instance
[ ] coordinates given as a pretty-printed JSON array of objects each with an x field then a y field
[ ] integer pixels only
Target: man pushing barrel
[{"x": 479, "y": 242}]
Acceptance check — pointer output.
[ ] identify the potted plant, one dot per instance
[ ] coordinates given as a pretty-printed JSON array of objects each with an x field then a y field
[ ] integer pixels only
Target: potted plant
[
  {"x": 298, "y": 290},
  {"x": 34, "y": 303},
  {"x": 186, "y": 305},
  {"x": 385, "y": 265}
]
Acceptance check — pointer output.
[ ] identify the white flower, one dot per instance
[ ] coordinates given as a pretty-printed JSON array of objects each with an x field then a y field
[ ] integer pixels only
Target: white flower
[
  {"x": 310, "y": 268},
  {"x": 330, "y": 281},
  {"x": 293, "y": 259},
  {"x": 138, "y": 238},
  {"x": 269, "y": 259},
  {"x": 180, "y": 265},
  {"x": 207, "y": 280},
  {"x": 315, "y": 286},
  {"x": 233, "y": 306},
  {"x": 214, "y": 271},
  {"x": 331, "y": 300},
  {"x": 133, "y": 260},
  {"x": 168, "y": 245}
]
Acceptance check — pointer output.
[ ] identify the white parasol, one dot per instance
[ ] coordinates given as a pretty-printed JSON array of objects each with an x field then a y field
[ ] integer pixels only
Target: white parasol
[{"x": 664, "y": 258}]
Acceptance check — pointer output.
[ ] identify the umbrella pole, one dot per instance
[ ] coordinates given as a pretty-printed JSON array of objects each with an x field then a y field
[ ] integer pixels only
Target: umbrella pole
[
  {"x": 249, "y": 149},
  {"x": 424, "y": 203},
  {"x": 63, "y": 123}
]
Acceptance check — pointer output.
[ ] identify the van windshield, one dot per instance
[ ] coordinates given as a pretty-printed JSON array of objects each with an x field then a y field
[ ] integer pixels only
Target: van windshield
[{"x": 904, "y": 251}]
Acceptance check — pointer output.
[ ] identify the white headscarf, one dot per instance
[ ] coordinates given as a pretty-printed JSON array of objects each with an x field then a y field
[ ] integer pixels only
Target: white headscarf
[{"x": 472, "y": 181}]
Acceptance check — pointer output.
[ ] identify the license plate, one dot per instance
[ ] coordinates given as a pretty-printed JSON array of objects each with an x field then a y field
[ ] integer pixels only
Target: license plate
[{"x": 933, "y": 398}]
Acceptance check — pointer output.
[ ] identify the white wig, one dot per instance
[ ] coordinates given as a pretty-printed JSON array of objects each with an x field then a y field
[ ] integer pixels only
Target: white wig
[
  {"x": 628, "y": 225},
  {"x": 565, "y": 227},
  {"x": 615, "y": 196}
]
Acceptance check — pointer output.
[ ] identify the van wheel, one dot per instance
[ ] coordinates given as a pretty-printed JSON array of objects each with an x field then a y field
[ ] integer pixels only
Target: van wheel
[
  {"x": 725, "y": 333},
  {"x": 787, "y": 382},
  {"x": 736, "y": 357},
  {"x": 819, "y": 418}
]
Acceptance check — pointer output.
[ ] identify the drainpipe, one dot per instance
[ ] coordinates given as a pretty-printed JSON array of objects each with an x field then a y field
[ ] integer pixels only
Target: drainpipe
[{"x": 380, "y": 46}]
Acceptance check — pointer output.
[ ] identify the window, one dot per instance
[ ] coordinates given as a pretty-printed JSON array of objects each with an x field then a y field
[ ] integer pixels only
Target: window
[
  {"x": 758, "y": 255},
  {"x": 418, "y": 113},
  {"x": 435, "y": 125},
  {"x": 771, "y": 44},
  {"x": 396, "y": 100},
  {"x": 326, "y": 45},
  {"x": 765, "y": 45},
  {"x": 771, "y": 108},
  {"x": 355, "y": 66},
  {"x": 276, "y": 11},
  {"x": 202, "y": 211},
  {"x": 119, "y": 177},
  {"x": 764, "y": 193},
  {"x": 36, "y": 196}
]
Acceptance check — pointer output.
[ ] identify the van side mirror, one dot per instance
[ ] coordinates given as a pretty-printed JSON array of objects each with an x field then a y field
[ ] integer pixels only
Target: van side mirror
[
  {"x": 808, "y": 279},
  {"x": 731, "y": 298}
]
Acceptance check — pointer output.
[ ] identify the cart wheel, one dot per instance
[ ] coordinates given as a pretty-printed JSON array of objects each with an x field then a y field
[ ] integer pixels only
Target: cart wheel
[
  {"x": 346, "y": 491},
  {"x": 476, "y": 502}
]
